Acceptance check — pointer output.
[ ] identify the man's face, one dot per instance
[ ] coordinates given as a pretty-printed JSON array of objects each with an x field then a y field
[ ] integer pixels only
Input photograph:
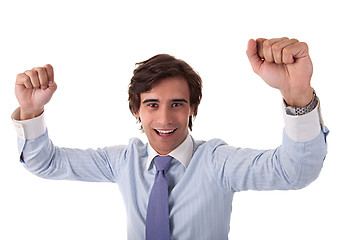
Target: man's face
[{"x": 164, "y": 112}]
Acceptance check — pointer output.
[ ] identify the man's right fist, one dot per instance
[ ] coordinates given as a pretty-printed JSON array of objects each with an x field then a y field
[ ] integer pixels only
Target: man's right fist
[{"x": 33, "y": 89}]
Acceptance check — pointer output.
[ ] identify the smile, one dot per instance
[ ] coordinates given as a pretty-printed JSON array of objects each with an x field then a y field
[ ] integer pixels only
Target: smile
[{"x": 164, "y": 132}]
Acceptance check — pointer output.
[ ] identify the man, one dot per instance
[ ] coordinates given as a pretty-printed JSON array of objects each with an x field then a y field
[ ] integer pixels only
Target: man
[{"x": 174, "y": 186}]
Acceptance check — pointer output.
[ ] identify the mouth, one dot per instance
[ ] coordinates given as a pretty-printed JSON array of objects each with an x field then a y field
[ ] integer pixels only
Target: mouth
[{"x": 164, "y": 132}]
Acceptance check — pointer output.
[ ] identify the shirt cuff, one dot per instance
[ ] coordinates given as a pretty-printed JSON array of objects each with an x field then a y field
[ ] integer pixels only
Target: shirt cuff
[
  {"x": 28, "y": 129},
  {"x": 305, "y": 127}
]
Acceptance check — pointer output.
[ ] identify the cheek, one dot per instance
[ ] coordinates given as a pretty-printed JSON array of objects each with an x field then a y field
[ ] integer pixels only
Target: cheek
[
  {"x": 143, "y": 118},
  {"x": 184, "y": 117}
]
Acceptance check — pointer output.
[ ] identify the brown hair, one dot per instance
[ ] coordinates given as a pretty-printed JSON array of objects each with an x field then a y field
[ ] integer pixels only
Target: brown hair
[{"x": 159, "y": 67}]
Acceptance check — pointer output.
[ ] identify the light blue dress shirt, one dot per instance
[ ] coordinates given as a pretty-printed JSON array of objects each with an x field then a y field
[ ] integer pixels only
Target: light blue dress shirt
[
  {"x": 202, "y": 181},
  {"x": 201, "y": 196}
]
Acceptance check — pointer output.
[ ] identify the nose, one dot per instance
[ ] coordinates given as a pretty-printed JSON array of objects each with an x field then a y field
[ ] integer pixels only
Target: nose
[{"x": 165, "y": 116}]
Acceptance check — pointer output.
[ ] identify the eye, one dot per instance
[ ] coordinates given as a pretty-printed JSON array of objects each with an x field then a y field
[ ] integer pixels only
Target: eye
[
  {"x": 153, "y": 105},
  {"x": 176, "y": 104}
]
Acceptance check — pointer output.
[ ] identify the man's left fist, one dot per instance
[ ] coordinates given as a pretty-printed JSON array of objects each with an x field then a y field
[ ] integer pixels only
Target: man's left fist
[{"x": 284, "y": 64}]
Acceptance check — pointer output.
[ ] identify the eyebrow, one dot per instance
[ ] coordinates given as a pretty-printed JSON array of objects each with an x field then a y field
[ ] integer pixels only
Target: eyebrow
[
  {"x": 150, "y": 100},
  {"x": 172, "y": 100},
  {"x": 179, "y": 100}
]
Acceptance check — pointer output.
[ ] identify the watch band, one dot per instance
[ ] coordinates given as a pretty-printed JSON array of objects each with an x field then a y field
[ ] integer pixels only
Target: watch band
[{"x": 301, "y": 111}]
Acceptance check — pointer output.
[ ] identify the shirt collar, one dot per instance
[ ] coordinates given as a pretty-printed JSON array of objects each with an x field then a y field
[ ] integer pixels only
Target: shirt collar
[{"x": 182, "y": 153}]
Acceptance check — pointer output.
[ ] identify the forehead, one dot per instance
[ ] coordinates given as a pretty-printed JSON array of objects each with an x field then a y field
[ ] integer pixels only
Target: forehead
[{"x": 172, "y": 87}]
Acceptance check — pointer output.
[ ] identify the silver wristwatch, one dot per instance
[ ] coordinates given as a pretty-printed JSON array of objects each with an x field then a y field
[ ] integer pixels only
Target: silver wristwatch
[{"x": 295, "y": 111}]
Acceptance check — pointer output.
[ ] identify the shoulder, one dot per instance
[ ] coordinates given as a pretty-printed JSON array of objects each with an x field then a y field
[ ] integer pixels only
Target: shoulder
[
  {"x": 214, "y": 148},
  {"x": 134, "y": 146},
  {"x": 210, "y": 145}
]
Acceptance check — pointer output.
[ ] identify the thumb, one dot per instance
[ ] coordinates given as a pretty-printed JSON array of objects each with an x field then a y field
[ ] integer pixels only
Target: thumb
[{"x": 253, "y": 56}]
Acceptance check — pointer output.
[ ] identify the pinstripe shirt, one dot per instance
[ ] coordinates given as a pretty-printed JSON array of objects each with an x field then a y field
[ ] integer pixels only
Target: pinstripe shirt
[{"x": 200, "y": 189}]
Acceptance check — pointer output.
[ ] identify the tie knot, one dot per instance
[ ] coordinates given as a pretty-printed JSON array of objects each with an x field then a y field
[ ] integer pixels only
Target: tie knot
[{"x": 162, "y": 163}]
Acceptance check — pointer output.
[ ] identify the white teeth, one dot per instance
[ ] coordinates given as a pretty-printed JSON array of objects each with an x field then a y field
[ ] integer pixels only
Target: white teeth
[{"x": 165, "y": 131}]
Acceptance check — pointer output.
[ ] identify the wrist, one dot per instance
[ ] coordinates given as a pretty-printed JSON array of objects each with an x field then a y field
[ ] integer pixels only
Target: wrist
[
  {"x": 298, "y": 99},
  {"x": 28, "y": 114}
]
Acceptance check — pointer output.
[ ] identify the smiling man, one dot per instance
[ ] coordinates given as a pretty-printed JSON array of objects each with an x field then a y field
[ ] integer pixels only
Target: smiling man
[
  {"x": 165, "y": 112},
  {"x": 176, "y": 187}
]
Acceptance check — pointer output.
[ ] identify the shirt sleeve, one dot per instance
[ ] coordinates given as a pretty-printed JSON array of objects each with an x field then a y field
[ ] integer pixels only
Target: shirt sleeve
[
  {"x": 41, "y": 157},
  {"x": 305, "y": 127},
  {"x": 293, "y": 165},
  {"x": 28, "y": 129}
]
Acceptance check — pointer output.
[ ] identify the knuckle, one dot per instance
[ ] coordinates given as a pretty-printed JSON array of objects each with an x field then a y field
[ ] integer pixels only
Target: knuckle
[
  {"x": 286, "y": 51},
  {"x": 305, "y": 45},
  {"x": 39, "y": 69},
  {"x": 27, "y": 83},
  {"x": 20, "y": 76},
  {"x": 31, "y": 73},
  {"x": 41, "y": 73},
  {"x": 267, "y": 43},
  {"x": 276, "y": 47},
  {"x": 48, "y": 67},
  {"x": 27, "y": 80}
]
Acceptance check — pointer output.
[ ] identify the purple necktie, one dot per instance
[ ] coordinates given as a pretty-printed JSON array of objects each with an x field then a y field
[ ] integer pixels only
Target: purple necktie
[{"x": 157, "y": 217}]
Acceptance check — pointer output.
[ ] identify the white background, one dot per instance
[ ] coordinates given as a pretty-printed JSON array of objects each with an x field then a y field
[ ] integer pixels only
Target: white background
[{"x": 93, "y": 46}]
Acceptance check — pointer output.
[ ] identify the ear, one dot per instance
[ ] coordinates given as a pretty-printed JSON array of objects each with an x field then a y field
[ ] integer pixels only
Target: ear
[
  {"x": 192, "y": 110},
  {"x": 137, "y": 114}
]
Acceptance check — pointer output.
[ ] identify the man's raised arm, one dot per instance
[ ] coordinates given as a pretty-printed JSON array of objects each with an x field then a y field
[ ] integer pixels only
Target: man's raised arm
[
  {"x": 33, "y": 89},
  {"x": 283, "y": 64}
]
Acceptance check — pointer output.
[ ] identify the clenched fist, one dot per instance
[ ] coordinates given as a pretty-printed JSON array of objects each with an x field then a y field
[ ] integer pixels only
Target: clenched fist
[
  {"x": 284, "y": 64},
  {"x": 33, "y": 89}
]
